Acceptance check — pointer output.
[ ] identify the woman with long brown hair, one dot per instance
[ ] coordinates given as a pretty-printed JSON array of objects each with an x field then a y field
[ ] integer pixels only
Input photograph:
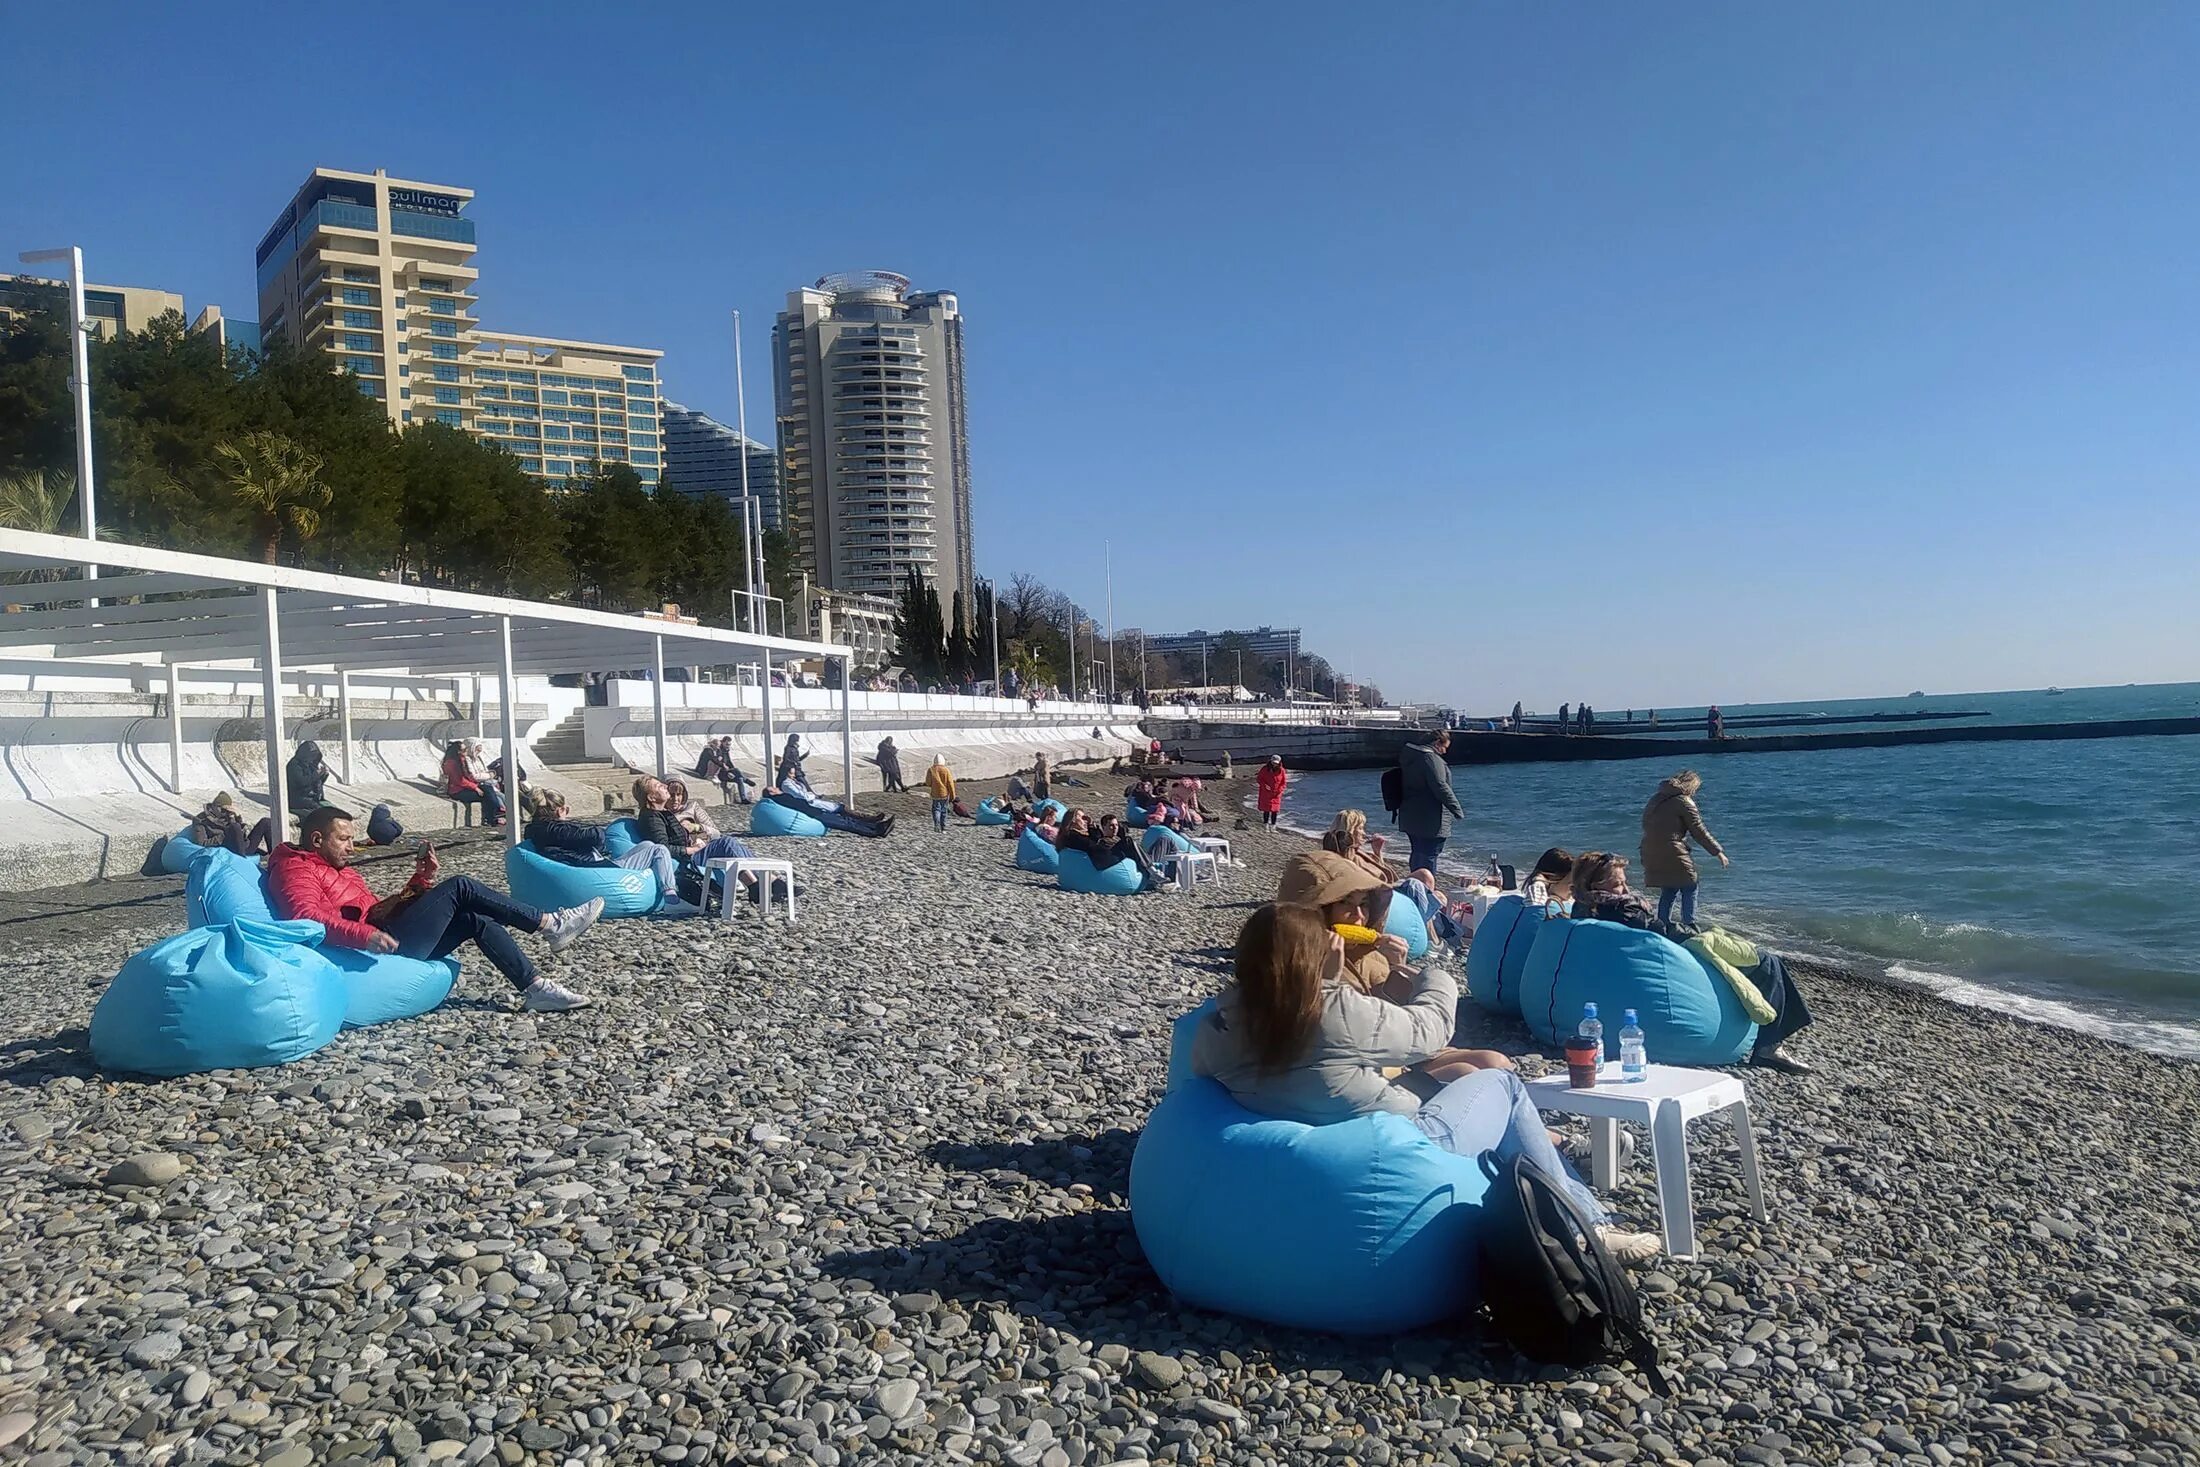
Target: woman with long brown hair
[{"x": 1291, "y": 1038}]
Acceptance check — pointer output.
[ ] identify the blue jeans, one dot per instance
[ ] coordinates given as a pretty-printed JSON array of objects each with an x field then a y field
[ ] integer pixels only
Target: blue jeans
[
  {"x": 647, "y": 855},
  {"x": 940, "y": 811},
  {"x": 1489, "y": 1110},
  {"x": 1425, "y": 850},
  {"x": 441, "y": 919},
  {"x": 1687, "y": 894},
  {"x": 489, "y": 797}
]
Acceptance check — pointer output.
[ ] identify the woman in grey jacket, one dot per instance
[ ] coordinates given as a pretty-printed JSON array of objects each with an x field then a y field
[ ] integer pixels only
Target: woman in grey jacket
[{"x": 1291, "y": 1038}]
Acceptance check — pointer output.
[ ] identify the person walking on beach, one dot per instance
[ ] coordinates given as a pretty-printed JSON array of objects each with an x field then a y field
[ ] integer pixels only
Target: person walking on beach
[
  {"x": 1268, "y": 786},
  {"x": 1426, "y": 805},
  {"x": 889, "y": 767},
  {"x": 940, "y": 780},
  {"x": 1669, "y": 822},
  {"x": 314, "y": 881}
]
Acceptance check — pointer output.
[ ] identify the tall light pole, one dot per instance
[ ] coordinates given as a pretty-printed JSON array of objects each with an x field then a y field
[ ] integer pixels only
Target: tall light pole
[
  {"x": 1107, "y": 564},
  {"x": 993, "y": 608},
  {"x": 80, "y": 383},
  {"x": 1073, "y": 651},
  {"x": 752, "y": 519}
]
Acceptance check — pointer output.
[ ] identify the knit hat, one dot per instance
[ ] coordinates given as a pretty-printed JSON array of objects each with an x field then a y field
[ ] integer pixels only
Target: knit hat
[
  {"x": 1321, "y": 877},
  {"x": 223, "y": 800}
]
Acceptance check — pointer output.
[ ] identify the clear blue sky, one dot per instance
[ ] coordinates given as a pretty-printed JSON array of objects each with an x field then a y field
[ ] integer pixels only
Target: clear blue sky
[{"x": 1647, "y": 353}]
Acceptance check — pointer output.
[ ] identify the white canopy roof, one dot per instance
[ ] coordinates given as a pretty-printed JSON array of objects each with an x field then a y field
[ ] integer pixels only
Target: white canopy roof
[{"x": 172, "y": 606}]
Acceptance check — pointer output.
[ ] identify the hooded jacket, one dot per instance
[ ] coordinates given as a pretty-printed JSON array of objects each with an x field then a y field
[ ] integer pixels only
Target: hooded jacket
[
  {"x": 1341, "y": 1074},
  {"x": 305, "y": 779},
  {"x": 940, "y": 780},
  {"x": 1426, "y": 805},
  {"x": 1668, "y": 821},
  {"x": 1268, "y": 785}
]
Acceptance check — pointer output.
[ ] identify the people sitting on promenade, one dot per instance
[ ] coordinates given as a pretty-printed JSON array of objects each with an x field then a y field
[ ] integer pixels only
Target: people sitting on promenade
[
  {"x": 1105, "y": 842},
  {"x": 219, "y": 825},
  {"x": 716, "y": 763},
  {"x": 556, "y": 834},
  {"x": 460, "y": 784},
  {"x": 1669, "y": 822},
  {"x": 1601, "y": 893},
  {"x": 1268, "y": 787},
  {"x": 657, "y": 816},
  {"x": 1294, "y": 1038},
  {"x": 889, "y": 768},
  {"x": 305, "y": 780},
  {"x": 940, "y": 781},
  {"x": 798, "y": 797},
  {"x": 315, "y": 881}
]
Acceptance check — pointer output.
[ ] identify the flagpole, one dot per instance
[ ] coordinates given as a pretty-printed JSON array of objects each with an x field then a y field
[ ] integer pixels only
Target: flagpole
[{"x": 1107, "y": 563}]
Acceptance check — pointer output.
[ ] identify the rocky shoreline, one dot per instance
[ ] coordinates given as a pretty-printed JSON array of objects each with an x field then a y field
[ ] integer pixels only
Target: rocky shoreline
[{"x": 854, "y": 1190}]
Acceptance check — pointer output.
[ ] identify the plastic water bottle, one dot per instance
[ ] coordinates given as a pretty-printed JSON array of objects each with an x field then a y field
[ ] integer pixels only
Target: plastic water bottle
[
  {"x": 1592, "y": 1027},
  {"x": 1634, "y": 1065}
]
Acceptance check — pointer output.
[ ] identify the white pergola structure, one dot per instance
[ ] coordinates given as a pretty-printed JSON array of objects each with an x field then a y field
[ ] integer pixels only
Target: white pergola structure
[{"x": 174, "y": 609}]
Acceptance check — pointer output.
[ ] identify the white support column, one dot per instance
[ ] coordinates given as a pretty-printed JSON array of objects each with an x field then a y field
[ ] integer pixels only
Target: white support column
[
  {"x": 771, "y": 752},
  {"x": 343, "y": 705},
  {"x": 481, "y": 721},
  {"x": 271, "y": 682},
  {"x": 175, "y": 729},
  {"x": 657, "y": 691},
  {"x": 847, "y": 732},
  {"x": 509, "y": 719}
]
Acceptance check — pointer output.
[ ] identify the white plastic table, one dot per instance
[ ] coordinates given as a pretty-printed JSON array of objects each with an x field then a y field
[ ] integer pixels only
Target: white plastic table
[
  {"x": 1216, "y": 846},
  {"x": 1188, "y": 865},
  {"x": 1665, "y": 1100},
  {"x": 765, "y": 867}
]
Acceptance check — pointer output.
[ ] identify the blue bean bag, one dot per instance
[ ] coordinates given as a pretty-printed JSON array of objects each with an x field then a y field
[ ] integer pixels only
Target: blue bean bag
[
  {"x": 1050, "y": 810},
  {"x": 1405, "y": 920},
  {"x": 1077, "y": 873},
  {"x": 541, "y": 882},
  {"x": 231, "y": 997},
  {"x": 224, "y": 887},
  {"x": 1135, "y": 815},
  {"x": 991, "y": 814},
  {"x": 767, "y": 818},
  {"x": 1034, "y": 852},
  {"x": 1162, "y": 842},
  {"x": 1689, "y": 1013},
  {"x": 1362, "y": 1226},
  {"x": 1499, "y": 953},
  {"x": 175, "y": 856},
  {"x": 621, "y": 836}
]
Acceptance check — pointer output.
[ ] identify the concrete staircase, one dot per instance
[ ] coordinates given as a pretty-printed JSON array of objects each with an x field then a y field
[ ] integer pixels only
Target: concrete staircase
[{"x": 565, "y": 744}]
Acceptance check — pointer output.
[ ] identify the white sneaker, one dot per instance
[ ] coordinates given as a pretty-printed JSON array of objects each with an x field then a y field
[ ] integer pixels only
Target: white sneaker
[
  {"x": 1631, "y": 1247},
  {"x": 674, "y": 907},
  {"x": 548, "y": 996},
  {"x": 567, "y": 923}
]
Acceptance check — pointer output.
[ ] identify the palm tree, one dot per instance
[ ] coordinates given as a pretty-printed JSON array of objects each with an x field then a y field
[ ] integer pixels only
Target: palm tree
[
  {"x": 38, "y": 500},
  {"x": 279, "y": 484}
]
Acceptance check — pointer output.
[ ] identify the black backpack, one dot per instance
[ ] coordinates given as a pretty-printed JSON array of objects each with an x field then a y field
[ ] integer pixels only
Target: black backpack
[
  {"x": 1552, "y": 1289},
  {"x": 1394, "y": 789}
]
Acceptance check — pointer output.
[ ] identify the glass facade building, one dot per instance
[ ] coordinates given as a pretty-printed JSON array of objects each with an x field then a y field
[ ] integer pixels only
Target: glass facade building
[{"x": 703, "y": 456}]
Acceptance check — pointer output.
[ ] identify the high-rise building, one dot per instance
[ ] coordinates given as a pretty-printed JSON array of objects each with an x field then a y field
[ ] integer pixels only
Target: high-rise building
[
  {"x": 378, "y": 273},
  {"x": 109, "y": 310},
  {"x": 875, "y": 460},
  {"x": 557, "y": 405},
  {"x": 703, "y": 456}
]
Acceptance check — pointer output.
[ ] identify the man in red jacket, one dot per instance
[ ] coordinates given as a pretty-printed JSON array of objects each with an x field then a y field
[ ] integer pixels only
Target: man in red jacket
[{"x": 314, "y": 880}]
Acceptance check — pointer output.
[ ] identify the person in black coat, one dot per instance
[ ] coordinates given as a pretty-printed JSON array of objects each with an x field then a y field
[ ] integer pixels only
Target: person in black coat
[{"x": 305, "y": 780}]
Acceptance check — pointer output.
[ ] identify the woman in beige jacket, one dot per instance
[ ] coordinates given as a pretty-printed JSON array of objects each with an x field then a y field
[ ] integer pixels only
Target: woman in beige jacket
[{"x": 1669, "y": 822}]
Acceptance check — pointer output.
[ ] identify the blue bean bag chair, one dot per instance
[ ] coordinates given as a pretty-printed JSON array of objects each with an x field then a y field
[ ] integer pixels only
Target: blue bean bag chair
[
  {"x": 541, "y": 882},
  {"x": 766, "y": 818},
  {"x": 991, "y": 814},
  {"x": 1362, "y": 1226},
  {"x": 1162, "y": 842},
  {"x": 621, "y": 836},
  {"x": 1034, "y": 852},
  {"x": 175, "y": 856},
  {"x": 1076, "y": 873},
  {"x": 1050, "y": 810},
  {"x": 1499, "y": 953},
  {"x": 1405, "y": 920},
  {"x": 1137, "y": 816},
  {"x": 231, "y": 997},
  {"x": 1689, "y": 1013},
  {"x": 224, "y": 887}
]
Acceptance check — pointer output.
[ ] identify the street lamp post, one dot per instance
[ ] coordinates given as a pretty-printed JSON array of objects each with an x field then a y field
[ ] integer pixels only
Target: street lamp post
[{"x": 80, "y": 382}]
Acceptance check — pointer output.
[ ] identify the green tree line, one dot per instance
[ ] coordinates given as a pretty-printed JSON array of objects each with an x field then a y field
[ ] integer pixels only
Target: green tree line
[{"x": 284, "y": 460}]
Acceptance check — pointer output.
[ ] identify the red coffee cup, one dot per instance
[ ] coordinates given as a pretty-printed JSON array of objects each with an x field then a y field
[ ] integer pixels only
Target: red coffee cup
[{"x": 1582, "y": 1058}]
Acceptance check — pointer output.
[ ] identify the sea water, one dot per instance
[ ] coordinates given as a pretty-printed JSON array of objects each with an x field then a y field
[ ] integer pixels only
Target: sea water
[{"x": 2056, "y": 880}]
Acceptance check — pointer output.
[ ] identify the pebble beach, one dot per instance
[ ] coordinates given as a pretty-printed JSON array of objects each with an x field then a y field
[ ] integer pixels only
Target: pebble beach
[{"x": 855, "y": 1190}]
